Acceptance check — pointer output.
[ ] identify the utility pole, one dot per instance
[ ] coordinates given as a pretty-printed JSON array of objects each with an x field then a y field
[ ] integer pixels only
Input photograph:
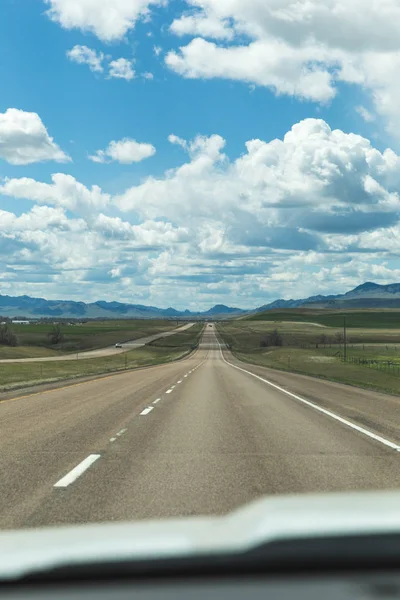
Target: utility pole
[{"x": 344, "y": 340}]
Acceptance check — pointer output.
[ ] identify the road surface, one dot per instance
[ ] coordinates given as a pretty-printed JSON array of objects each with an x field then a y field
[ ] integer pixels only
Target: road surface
[
  {"x": 198, "y": 436},
  {"x": 101, "y": 352}
]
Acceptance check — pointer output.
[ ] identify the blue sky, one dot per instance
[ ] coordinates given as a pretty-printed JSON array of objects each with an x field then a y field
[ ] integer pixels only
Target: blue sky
[{"x": 229, "y": 210}]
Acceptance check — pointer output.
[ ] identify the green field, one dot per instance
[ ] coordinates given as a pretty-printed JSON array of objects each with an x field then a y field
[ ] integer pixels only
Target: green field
[
  {"x": 371, "y": 319},
  {"x": 187, "y": 339},
  {"x": 10, "y": 352},
  {"x": 373, "y": 355},
  {"x": 23, "y": 374},
  {"x": 246, "y": 334},
  {"x": 87, "y": 336}
]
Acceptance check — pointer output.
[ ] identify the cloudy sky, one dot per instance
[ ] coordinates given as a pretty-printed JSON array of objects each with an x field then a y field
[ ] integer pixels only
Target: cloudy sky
[{"x": 192, "y": 152}]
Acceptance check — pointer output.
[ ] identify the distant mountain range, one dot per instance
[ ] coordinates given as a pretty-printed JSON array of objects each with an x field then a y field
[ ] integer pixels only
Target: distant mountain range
[
  {"x": 36, "y": 308},
  {"x": 367, "y": 295}
]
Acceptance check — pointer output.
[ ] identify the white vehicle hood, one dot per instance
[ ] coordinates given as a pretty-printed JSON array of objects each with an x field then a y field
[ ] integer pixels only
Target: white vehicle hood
[{"x": 29, "y": 551}]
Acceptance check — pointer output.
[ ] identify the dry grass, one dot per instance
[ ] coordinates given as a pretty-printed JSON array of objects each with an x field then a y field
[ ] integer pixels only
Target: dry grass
[
  {"x": 24, "y": 374},
  {"x": 302, "y": 353}
]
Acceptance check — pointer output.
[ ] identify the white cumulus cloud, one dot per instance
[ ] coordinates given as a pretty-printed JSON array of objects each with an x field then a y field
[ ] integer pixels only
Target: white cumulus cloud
[
  {"x": 268, "y": 63},
  {"x": 318, "y": 205},
  {"x": 121, "y": 68},
  {"x": 197, "y": 24},
  {"x": 86, "y": 56},
  {"x": 302, "y": 49},
  {"x": 64, "y": 191},
  {"x": 125, "y": 151},
  {"x": 109, "y": 20},
  {"x": 24, "y": 139}
]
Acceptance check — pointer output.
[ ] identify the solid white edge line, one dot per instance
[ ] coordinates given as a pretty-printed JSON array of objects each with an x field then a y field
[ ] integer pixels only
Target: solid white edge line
[
  {"x": 147, "y": 410},
  {"x": 156, "y": 401},
  {"x": 328, "y": 413},
  {"x": 77, "y": 471}
]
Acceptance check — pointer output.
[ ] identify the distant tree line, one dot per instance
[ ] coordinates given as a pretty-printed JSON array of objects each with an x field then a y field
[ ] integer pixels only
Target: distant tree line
[
  {"x": 55, "y": 336},
  {"x": 325, "y": 339},
  {"x": 7, "y": 336},
  {"x": 273, "y": 338}
]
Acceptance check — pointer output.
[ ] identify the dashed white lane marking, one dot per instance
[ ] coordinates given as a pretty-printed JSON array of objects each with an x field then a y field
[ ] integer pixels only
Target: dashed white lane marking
[
  {"x": 156, "y": 401},
  {"x": 77, "y": 471},
  {"x": 186, "y": 375},
  {"x": 113, "y": 439},
  {"x": 121, "y": 432},
  {"x": 172, "y": 387},
  {"x": 180, "y": 381},
  {"x": 328, "y": 413},
  {"x": 147, "y": 410},
  {"x": 168, "y": 391}
]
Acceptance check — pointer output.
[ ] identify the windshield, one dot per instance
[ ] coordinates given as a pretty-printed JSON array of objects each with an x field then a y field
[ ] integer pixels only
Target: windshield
[{"x": 199, "y": 248}]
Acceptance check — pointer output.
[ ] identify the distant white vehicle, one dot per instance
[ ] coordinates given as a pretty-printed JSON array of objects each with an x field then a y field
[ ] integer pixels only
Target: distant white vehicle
[{"x": 118, "y": 345}]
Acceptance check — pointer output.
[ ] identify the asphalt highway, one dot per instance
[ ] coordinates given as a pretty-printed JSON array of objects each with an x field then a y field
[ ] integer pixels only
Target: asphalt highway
[{"x": 199, "y": 436}]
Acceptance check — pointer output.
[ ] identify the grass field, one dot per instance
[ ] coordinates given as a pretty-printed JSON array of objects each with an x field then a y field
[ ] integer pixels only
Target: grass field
[
  {"x": 23, "y": 374},
  {"x": 368, "y": 318},
  {"x": 26, "y": 352},
  {"x": 88, "y": 336},
  {"x": 188, "y": 338},
  {"x": 303, "y": 352},
  {"x": 247, "y": 334}
]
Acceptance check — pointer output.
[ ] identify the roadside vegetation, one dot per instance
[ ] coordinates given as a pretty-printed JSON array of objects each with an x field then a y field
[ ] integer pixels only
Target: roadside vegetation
[
  {"x": 372, "y": 351},
  {"x": 187, "y": 340},
  {"x": 47, "y": 339},
  {"x": 13, "y": 375}
]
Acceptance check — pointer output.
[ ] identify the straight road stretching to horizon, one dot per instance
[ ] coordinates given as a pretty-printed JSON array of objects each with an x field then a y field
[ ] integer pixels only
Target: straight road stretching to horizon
[{"x": 203, "y": 435}]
